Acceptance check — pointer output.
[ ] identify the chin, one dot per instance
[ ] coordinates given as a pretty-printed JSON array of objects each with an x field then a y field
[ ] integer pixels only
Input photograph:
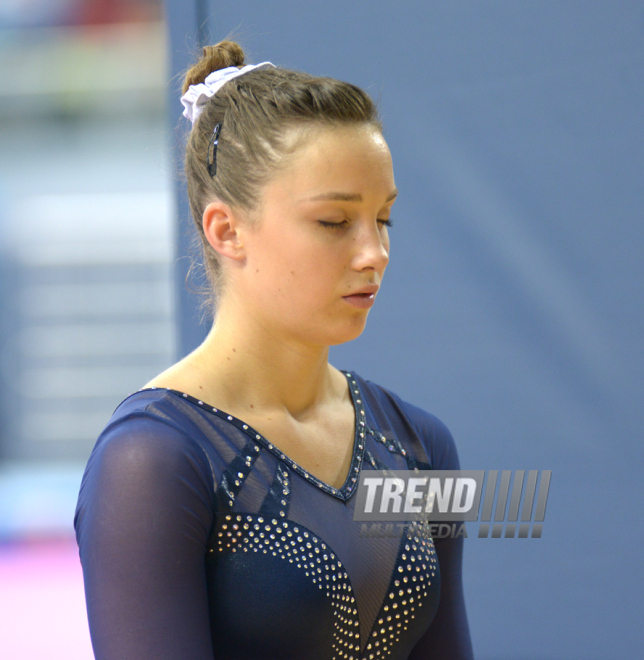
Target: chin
[
  {"x": 347, "y": 334},
  {"x": 325, "y": 331}
]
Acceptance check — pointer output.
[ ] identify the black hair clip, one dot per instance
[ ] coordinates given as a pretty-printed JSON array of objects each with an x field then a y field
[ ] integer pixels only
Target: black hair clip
[{"x": 212, "y": 150}]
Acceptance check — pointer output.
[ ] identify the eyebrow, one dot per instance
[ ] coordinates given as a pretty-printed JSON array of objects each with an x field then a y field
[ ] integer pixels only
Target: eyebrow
[{"x": 344, "y": 197}]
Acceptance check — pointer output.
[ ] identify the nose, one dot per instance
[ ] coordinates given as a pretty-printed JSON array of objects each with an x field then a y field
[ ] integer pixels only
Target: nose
[{"x": 372, "y": 247}]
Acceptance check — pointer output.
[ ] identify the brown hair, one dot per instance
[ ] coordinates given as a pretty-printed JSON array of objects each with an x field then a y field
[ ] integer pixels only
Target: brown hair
[{"x": 256, "y": 111}]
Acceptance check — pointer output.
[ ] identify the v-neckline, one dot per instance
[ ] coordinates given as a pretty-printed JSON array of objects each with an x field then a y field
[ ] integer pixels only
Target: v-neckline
[{"x": 351, "y": 480}]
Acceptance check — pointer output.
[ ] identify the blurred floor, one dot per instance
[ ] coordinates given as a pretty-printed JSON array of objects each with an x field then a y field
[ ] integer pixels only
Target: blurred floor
[
  {"x": 38, "y": 499},
  {"x": 42, "y": 602}
]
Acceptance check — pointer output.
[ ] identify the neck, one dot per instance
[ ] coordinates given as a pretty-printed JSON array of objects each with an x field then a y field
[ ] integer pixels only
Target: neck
[{"x": 248, "y": 366}]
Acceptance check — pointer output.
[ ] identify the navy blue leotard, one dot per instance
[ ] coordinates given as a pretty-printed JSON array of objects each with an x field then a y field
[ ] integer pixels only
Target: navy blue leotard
[{"x": 200, "y": 540}]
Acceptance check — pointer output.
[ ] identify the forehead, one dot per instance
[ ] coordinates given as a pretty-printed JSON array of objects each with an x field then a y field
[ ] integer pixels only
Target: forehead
[{"x": 349, "y": 159}]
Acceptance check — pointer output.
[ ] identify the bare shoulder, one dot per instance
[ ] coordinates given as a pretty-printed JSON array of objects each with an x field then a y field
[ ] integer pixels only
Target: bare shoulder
[{"x": 180, "y": 376}]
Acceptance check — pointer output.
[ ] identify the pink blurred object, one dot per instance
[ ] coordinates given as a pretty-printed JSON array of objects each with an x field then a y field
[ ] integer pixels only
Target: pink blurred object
[{"x": 42, "y": 601}]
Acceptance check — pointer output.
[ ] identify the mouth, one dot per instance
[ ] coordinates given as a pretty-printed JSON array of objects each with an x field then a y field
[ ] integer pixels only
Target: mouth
[
  {"x": 366, "y": 291},
  {"x": 362, "y": 299}
]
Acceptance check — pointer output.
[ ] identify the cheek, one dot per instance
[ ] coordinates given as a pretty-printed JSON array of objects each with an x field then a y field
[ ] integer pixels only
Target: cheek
[
  {"x": 310, "y": 280},
  {"x": 305, "y": 259},
  {"x": 308, "y": 276},
  {"x": 296, "y": 266}
]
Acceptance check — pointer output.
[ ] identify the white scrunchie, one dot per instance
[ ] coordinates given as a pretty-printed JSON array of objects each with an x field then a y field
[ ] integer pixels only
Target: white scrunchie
[{"x": 197, "y": 95}]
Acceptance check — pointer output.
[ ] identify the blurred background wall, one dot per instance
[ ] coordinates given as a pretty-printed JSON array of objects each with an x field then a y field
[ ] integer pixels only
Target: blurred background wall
[
  {"x": 512, "y": 307},
  {"x": 86, "y": 296},
  {"x": 85, "y": 218}
]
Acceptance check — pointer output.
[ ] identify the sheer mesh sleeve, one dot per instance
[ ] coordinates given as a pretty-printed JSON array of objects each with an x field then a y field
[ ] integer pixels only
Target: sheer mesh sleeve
[{"x": 143, "y": 520}]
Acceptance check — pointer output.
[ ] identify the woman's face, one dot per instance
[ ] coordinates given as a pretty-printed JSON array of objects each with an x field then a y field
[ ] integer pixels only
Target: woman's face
[{"x": 319, "y": 249}]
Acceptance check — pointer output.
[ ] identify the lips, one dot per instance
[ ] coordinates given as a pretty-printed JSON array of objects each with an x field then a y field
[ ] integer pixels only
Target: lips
[
  {"x": 362, "y": 298},
  {"x": 366, "y": 291}
]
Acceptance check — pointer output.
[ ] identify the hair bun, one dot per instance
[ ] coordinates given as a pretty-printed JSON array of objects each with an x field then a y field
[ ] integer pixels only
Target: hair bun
[{"x": 219, "y": 56}]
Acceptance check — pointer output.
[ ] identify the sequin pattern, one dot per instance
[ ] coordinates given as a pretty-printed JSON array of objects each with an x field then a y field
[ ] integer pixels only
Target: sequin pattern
[
  {"x": 298, "y": 546},
  {"x": 394, "y": 447},
  {"x": 232, "y": 479},
  {"x": 415, "y": 569}
]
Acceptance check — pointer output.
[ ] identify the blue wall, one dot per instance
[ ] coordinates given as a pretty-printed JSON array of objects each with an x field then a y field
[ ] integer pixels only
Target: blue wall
[{"x": 513, "y": 305}]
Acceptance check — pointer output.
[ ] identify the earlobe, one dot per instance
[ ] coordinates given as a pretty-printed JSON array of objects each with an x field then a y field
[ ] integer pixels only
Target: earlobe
[{"x": 220, "y": 227}]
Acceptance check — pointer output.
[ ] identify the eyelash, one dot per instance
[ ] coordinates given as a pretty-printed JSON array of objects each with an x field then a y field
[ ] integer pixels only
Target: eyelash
[{"x": 344, "y": 223}]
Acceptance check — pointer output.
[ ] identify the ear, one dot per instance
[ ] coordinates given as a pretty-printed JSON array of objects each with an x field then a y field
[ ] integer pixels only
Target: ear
[{"x": 221, "y": 228}]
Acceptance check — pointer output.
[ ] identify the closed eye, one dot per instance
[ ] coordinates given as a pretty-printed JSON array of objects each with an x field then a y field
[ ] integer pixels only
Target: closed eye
[
  {"x": 334, "y": 225},
  {"x": 341, "y": 225}
]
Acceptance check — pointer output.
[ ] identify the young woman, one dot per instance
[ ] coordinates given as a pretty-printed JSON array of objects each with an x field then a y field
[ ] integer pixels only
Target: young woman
[{"x": 215, "y": 517}]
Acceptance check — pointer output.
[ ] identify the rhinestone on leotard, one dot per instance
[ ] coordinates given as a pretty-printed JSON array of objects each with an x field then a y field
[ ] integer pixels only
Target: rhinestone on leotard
[
  {"x": 304, "y": 550},
  {"x": 407, "y": 592}
]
